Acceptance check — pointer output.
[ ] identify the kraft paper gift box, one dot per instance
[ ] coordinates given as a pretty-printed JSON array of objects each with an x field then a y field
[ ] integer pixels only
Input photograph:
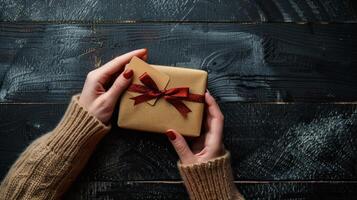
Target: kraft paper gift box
[{"x": 177, "y": 86}]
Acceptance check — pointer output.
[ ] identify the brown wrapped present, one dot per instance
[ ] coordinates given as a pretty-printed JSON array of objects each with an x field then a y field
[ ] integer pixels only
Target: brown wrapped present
[{"x": 162, "y": 97}]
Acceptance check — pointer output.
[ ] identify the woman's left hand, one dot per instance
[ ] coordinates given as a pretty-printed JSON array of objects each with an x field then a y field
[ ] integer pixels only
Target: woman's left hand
[
  {"x": 99, "y": 99},
  {"x": 209, "y": 145}
]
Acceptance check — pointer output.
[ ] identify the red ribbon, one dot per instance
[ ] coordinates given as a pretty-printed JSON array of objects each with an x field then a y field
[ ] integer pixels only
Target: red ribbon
[{"x": 174, "y": 96}]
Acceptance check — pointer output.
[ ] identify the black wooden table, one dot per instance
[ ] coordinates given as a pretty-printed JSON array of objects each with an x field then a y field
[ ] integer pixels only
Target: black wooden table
[{"x": 284, "y": 73}]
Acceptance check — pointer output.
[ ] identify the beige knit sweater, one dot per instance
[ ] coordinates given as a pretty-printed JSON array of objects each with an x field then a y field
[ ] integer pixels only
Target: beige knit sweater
[{"x": 48, "y": 167}]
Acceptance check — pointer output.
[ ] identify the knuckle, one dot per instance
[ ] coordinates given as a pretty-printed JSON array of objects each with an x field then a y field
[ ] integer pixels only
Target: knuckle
[
  {"x": 181, "y": 148},
  {"x": 220, "y": 117},
  {"x": 121, "y": 83},
  {"x": 118, "y": 85},
  {"x": 91, "y": 75}
]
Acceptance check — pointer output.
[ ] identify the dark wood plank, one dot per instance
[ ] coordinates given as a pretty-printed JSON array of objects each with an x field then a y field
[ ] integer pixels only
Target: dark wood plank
[
  {"x": 126, "y": 191},
  {"x": 178, "y": 10},
  {"x": 267, "y": 142},
  {"x": 255, "y": 63},
  {"x": 176, "y": 190}
]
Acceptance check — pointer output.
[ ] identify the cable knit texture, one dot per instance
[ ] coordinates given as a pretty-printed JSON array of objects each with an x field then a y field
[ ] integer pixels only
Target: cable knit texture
[
  {"x": 210, "y": 180},
  {"x": 51, "y": 163}
]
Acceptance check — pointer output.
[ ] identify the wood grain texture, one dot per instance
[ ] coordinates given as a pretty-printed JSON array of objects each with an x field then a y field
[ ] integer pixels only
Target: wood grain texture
[
  {"x": 179, "y": 10},
  {"x": 246, "y": 63},
  {"x": 279, "y": 151},
  {"x": 267, "y": 142},
  {"x": 175, "y": 190}
]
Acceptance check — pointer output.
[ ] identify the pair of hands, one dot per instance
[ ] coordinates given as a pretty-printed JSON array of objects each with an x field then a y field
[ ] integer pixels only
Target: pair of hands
[{"x": 99, "y": 97}]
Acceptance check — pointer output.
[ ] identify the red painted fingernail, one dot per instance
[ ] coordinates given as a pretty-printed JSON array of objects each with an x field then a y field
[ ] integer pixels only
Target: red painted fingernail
[
  {"x": 171, "y": 135},
  {"x": 128, "y": 73}
]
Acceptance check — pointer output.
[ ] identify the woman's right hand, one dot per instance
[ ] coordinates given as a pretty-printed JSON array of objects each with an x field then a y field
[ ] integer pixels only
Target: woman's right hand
[
  {"x": 209, "y": 145},
  {"x": 96, "y": 96}
]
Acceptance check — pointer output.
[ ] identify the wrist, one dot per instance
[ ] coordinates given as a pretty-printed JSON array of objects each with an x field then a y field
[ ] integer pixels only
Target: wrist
[
  {"x": 214, "y": 154},
  {"x": 77, "y": 129},
  {"x": 221, "y": 151},
  {"x": 97, "y": 108}
]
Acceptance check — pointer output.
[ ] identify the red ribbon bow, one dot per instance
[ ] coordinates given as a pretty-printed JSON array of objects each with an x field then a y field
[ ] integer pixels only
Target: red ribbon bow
[{"x": 174, "y": 96}]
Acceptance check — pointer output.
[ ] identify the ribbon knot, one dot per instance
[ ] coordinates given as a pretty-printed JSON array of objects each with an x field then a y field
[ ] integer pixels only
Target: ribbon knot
[{"x": 174, "y": 96}]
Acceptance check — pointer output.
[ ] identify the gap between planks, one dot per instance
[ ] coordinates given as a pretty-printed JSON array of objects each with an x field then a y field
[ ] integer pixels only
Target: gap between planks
[
  {"x": 168, "y": 22},
  {"x": 244, "y": 182}
]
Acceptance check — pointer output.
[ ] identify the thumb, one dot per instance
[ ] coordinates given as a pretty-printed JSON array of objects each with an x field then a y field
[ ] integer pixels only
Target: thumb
[
  {"x": 181, "y": 147},
  {"x": 120, "y": 84}
]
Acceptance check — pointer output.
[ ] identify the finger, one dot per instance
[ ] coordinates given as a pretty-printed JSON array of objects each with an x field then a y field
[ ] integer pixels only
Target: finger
[
  {"x": 145, "y": 57},
  {"x": 119, "y": 62},
  {"x": 212, "y": 106},
  {"x": 181, "y": 146},
  {"x": 119, "y": 85},
  {"x": 215, "y": 119}
]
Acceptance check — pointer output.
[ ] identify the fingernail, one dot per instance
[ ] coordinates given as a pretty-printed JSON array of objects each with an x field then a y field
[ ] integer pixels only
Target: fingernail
[
  {"x": 171, "y": 135},
  {"x": 128, "y": 73},
  {"x": 208, "y": 91}
]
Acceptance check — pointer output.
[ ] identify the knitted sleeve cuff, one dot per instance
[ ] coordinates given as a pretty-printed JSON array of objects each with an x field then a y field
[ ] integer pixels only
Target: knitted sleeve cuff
[
  {"x": 210, "y": 180},
  {"x": 77, "y": 131}
]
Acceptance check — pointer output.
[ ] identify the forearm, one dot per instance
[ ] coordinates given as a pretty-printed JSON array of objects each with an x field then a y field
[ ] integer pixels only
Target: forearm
[
  {"x": 51, "y": 163},
  {"x": 210, "y": 180}
]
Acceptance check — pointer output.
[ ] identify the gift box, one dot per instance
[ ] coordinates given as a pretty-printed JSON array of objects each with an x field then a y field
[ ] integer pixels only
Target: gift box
[{"x": 161, "y": 98}]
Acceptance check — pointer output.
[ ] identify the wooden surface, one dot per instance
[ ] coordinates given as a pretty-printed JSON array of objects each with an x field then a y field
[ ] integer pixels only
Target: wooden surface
[
  {"x": 175, "y": 190},
  {"x": 255, "y": 63},
  {"x": 270, "y": 142},
  {"x": 284, "y": 73},
  {"x": 180, "y": 10},
  {"x": 278, "y": 151}
]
